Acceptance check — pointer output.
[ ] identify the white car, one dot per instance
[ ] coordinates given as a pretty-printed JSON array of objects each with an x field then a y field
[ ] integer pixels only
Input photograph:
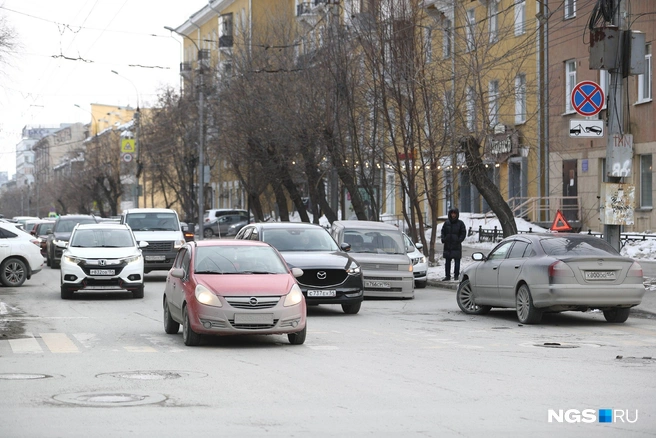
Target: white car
[
  {"x": 419, "y": 263},
  {"x": 102, "y": 257},
  {"x": 20, "y": 255}
]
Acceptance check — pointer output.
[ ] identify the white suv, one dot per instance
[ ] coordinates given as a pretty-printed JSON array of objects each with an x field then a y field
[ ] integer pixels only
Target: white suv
[
  {"x": 20, "y": 255},
  {"x": 102, "y": 257}
]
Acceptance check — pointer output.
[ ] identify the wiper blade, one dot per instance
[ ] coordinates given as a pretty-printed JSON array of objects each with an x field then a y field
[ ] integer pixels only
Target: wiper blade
[{"x": 211, "y": 272}]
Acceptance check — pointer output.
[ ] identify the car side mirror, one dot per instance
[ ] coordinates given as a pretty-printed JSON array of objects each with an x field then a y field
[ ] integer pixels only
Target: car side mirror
[
  {"x": 143, "y": 244},
  {"x": 419, "y": 246},
  {"x": 345, "y": 246},
  {"x": 297, "y": 272},
  {"x": 177, "y": 273},
  {"x": 478, "y": 256},
  {"x": 62, "y": 244}
]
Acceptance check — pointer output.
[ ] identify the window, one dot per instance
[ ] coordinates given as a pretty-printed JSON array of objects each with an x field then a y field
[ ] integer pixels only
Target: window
[
  {"x": 520, "y": 99},
  {"x": 471, "y": 109},
  {"x": 471, "y": 23},
  {"x": 604, "y": 83},
  {"x": 428, "y": 44},
  {"x": 570, "y": 73},
  {"x": 520, "y": 17},
  {"x": 570, "y": 9},
  {"x": 492, "y": 12},
  {"x": 493, "y": 103},
  {"x": 646, "y": 81},
  {"x": 518, "y": 250},
  {"x": 645, "y": 181},
  {"x": 446, "y": 39}
]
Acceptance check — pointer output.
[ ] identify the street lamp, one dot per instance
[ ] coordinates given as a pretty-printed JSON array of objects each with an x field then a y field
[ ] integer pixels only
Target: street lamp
[
  {"x": 94, "y": 117},
  {"x": 201, "y": 139}
]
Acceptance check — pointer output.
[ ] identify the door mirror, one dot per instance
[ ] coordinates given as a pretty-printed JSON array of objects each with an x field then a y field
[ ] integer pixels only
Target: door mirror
[{"x": 177, "y": 273}]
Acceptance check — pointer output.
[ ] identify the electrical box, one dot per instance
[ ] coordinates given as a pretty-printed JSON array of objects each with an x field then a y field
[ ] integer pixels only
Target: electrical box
[
  {"x": 604, "y": 48},
  {"x": 637, "y": 61}
]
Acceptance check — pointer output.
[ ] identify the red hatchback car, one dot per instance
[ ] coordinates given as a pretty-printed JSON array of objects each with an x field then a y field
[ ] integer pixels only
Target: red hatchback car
[{"x": 233, "y": 287}]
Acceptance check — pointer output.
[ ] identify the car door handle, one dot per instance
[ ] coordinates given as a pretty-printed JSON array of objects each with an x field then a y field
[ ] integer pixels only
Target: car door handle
[
  {"x": 495, "y": 268},
  {"x": 517, "y": 266}
]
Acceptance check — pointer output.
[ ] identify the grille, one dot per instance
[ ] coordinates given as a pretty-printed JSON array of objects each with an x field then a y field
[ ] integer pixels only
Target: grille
[
  {"x": 384, "y": 278},
  {"x": 253, "y": 326},
  {"x": 116, "y": 282},
  {"x": 245, "y": 302},
  {"x": 159, "y": 247},
  {"x": 334, "y": 277},
  {"x": 379, "y": 266}
]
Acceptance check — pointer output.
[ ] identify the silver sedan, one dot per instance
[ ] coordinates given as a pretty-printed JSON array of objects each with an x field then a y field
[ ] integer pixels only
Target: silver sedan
[{"x": 539, "y": 273}]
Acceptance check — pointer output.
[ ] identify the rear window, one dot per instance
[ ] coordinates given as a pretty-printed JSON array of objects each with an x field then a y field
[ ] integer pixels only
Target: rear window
[
  {"x": 564, "y": 246},
  {"x": 67, "y": 225},
  {"x": 377, "y": 242}
]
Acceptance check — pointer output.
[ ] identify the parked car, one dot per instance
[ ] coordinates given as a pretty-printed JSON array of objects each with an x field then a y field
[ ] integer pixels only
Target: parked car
[
  {"x": 330, "y": 275},
  {"x": 102, "y": 256},
  {"x": 380, "y": 250},
  {"x": 40, "y": 231},
  {"x": 222, "y": 225},
  {"x": 60, "y": 233},
  {"x": 24, "y": 219},
  {"x": 188, "y": 231},
  {"x": 233, "y": 287},
  {"x": 419, "y": 263},
  {"x": 215, "y": 213},
  {"x": 20, "y": 256},
  {"x": 542, "y": 273}
]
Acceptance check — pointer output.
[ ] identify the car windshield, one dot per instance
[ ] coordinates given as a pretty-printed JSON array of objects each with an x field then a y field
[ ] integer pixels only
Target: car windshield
[
  {"x": 238, "y": 260},
  {"x": 94, "y": 238},
  {"x": 378, "y": 242},
  {"x": 300, "y": 239},
  {"x": 564, "y": 246},
  {"x": 153, "y": 222},
  {"x": 67, "y": 225}
]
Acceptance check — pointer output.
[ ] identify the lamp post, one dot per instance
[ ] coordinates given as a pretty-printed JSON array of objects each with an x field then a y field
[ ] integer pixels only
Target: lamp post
[
  {"x": 201, "y": 139},
  {"x": 134, "y": 187}
]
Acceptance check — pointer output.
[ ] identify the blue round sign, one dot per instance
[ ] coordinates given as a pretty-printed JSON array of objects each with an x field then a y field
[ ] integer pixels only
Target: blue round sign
[{"x": 587, "y": 98}]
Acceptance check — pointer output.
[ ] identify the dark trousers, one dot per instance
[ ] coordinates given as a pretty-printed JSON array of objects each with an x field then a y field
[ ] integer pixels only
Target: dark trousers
[{"x": 456, "y": 268}]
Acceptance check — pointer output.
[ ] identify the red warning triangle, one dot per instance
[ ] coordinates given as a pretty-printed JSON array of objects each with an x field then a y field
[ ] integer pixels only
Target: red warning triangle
[{"x": 560, "y": 223}]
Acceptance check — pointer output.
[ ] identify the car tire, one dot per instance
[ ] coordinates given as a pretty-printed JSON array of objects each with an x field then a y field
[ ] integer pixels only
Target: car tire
[
  {"x": 138, "y": 293},
  {"x": 208, "y": 233},
  {"x": 13, "y": 272},
  {"x": 189, "y": 336},
  {"x": 170, "y": 326},
  {"x": 66, "y": 294},
  {"x": 47, "y": 259},
  {"x": 297, "y": 338},
  {"x": 352, "y": 308},
  {"x": 527, "y": 313},
  {"x": 617, "y": 314},
  {"x": 420, "y": 284},
  {"x": 466, "y": 302}
]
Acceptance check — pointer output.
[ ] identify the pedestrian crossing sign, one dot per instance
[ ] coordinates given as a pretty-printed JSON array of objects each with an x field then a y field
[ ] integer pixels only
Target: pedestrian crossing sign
[{"x": 127, "y": 146}]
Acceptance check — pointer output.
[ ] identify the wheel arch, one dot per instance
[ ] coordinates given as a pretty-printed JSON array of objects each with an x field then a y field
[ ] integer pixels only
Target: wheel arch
[{"x": 28, "y": 268}]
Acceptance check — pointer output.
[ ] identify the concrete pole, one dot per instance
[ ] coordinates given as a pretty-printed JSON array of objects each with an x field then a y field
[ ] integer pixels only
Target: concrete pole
[{"x": 201, "y": 147}]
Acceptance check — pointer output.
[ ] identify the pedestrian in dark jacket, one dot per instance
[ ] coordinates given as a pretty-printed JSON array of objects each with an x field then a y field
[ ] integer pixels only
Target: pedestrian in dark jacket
[{"x": 454, "y": 233}]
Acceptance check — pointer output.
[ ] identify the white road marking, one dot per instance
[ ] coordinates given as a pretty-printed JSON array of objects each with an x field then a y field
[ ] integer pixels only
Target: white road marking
[
  {"x": 25, "y": 345},
  {"x": 140, "y": 349},
  {"x": 59, "y": 343}
]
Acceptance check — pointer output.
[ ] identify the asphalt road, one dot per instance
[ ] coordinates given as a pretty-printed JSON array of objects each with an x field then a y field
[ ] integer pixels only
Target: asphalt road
[{"x": 101, "y": 365}]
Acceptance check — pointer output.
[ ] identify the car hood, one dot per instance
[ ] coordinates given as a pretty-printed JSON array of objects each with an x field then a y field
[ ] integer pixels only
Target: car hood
[
  {"x": 60, "y": 235},
  {"x": 158, "y": 236},
  {"x": 368, "y": 258},
  {"x": 316, "y": 259},
  {"x": 247, "y": 285},
  {"x": 102, "y": 253}
]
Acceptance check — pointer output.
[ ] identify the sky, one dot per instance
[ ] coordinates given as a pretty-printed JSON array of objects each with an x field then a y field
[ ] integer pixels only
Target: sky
[{"x": 66, "y": 53}]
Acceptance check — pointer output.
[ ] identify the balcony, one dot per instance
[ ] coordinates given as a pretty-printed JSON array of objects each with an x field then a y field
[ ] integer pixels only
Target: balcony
[
  {"x": 225, "y": 41},
  {"x": 185, "y": 70}
]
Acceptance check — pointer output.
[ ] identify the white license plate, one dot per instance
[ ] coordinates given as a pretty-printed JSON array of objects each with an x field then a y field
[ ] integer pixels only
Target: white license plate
[
  {"x": 155, "y": 258},
  {"x": 321, "y": 293},
  {"x": 253, "y": 318},
  {"x": 101, "y": 272},
  {"x": 600, "y": 275},
  {"x": 381, "y": 284}
]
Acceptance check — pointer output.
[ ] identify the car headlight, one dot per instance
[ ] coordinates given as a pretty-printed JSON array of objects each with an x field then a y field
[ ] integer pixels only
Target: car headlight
[
  {"x": 178, "y": 244},
  {"x": 205, "y": 296},
  {"x": 353, "y": 269},
  {"x": 133, "y": 259},
  {"x": 294, "y": 296},
  {"x": 71, "y": 259},
  {"x": 417, "y": 260}
]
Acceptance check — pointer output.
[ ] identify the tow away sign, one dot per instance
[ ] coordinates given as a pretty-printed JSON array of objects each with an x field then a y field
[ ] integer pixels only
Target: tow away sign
[{"x": 586, "y": 128}]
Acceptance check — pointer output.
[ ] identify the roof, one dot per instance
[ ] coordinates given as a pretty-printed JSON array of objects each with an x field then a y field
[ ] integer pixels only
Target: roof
[
  {"x": 103, "y": 226},
  {"x": 229, "y": 242},
  {"x": 372, "y": 225},
  {"x": 149, "y": 210},
  {"x": 286, "y": 225}
]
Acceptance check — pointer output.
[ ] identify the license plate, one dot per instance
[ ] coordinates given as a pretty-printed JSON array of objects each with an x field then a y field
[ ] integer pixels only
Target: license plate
[
  {"x": 600, "y": 275},
  {"x": 253, "y": 318},
  {"x": 381, "y": 284},
  {"x": 155, "y": 258},
  {"x": 101, "y": 272},
  {"x": 321, "y": 293},
  {"x": 101, "y": 287}
]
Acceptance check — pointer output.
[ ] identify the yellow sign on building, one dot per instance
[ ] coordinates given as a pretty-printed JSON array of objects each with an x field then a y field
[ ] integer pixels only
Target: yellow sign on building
[{"x": 127, "y": 146}]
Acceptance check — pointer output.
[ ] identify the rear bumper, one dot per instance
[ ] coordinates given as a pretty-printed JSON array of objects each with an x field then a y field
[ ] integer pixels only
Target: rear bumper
[
  {"x": 626, "y": 295},
  {"x": 155, "y": 265}
]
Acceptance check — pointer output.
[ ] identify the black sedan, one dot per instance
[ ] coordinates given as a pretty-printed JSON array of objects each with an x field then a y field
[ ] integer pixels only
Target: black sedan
[{"x": 330, "y": 275}]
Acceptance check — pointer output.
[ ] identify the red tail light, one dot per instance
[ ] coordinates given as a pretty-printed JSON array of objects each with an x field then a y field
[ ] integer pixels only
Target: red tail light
[
  {"x": 635, "y": 270},
  {"x": 560, "y": 269}
]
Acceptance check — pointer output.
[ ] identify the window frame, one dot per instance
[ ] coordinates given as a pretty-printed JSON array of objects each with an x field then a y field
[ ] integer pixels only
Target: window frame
[
  {"x": 646, "y": 195},
  {"x": 520, "y": 17},
  {"x": 646, "y": 93},
  {"x": 470, "y": 29},
  {"x": 569, "y": 7},
  {"x": 521, "y": 111},
  {"x": 493, "y": 103},
  {"x": 570, "y": 83},
  {"x": 493, "y": 21}
]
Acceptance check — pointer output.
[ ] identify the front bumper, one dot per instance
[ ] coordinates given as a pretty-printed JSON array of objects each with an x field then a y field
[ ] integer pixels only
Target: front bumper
[{"x": 128, "y": 277}]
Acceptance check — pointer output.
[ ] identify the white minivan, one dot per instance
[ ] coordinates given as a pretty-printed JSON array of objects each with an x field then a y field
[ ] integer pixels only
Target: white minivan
[{"x": 160, "y": 227}]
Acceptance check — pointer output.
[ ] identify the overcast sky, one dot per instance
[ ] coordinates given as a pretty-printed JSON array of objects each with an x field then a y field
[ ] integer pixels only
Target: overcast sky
[{"x": 40, "y": 86}]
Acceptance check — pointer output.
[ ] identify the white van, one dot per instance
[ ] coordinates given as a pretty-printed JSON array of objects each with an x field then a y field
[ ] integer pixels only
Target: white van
[{"x": 160, "y": 227}]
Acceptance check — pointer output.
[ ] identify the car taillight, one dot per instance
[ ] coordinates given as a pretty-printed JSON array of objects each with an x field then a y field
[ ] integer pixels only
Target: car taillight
[
  {"x": 560, "y": 269},
  {"x": 635, "y": 270}
]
